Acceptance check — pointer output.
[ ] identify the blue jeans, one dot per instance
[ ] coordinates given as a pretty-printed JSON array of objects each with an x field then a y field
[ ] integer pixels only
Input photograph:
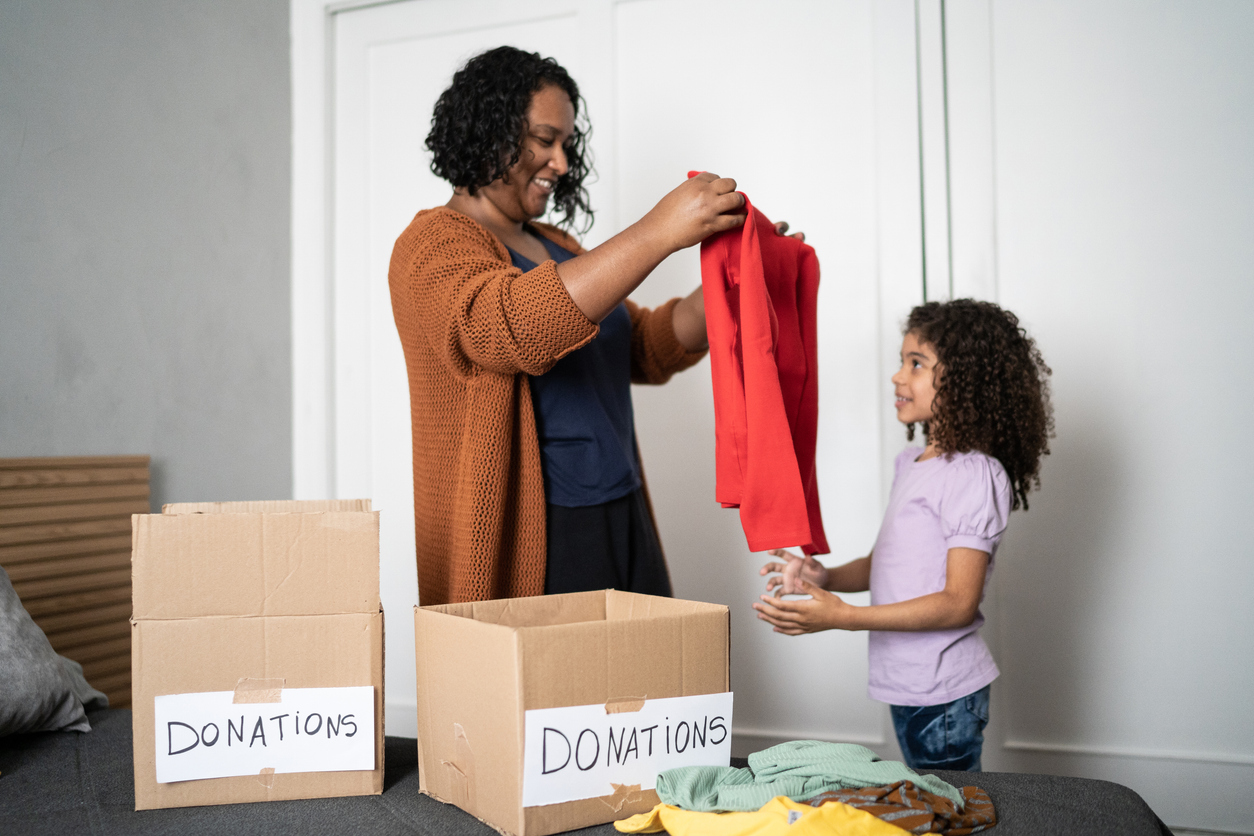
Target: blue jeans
[{"x": 949, "y": 736}]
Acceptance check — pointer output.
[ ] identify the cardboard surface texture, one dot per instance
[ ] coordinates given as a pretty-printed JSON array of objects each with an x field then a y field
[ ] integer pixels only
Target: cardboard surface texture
[
  {"x": 254, "y": 598},
  {"x": 481, "y": 666}
]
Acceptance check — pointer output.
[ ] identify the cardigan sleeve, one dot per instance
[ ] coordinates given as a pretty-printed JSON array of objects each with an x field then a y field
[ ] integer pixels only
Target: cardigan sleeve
[
  {"x": 453, "y": 282},
  {"x": 656, "y": 353}
]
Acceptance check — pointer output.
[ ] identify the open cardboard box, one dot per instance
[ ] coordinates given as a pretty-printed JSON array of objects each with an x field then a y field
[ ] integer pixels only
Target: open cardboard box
[
  {"x": 482, "y": 665},
  {"x": 255, "y": 598}
]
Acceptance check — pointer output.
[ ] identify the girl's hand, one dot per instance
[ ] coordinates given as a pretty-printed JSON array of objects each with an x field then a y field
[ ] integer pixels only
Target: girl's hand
[
  {"x": 797, "y": 567},
  {"x": 698, "y": 207},
  {"x": 821, "y": 611}
]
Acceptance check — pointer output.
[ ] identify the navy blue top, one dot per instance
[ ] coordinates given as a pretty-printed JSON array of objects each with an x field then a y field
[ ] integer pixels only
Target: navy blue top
[{"x": 583, "y": 412}]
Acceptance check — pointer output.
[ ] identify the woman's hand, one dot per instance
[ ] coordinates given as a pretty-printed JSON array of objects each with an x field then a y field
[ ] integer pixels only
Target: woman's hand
[
  {"x": 795, "y": 569},
  {"x": 694, "y": 210},
  {"x": 821, "y": 611},
  {"x": 781, "y": 228}
]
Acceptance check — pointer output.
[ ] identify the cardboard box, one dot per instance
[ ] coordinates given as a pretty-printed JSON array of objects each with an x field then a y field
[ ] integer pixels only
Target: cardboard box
[
  {"x": 481, "y": 666},
  {"x": 256, "y": 599}
]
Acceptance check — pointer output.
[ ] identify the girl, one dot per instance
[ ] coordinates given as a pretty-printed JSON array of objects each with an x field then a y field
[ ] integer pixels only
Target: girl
[{"x": 977, "y": 384}]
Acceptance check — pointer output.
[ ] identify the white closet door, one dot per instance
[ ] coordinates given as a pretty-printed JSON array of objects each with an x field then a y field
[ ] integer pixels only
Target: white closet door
[{"x": 782, "y": 97}]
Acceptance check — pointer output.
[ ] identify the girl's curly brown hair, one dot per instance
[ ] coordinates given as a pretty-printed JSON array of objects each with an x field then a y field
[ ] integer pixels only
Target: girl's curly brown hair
[{"x": 992, "y": 388}]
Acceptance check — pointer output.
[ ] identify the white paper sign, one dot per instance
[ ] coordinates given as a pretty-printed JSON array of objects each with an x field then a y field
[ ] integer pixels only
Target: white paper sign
[
  {"x": 581, "y": 751},
  {"x": 208, "y": 735}
]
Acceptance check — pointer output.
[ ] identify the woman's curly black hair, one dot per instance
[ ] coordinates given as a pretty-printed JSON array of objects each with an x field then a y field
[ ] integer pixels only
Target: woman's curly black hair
[
  {"x": 480, "y": 121},
  {"x": 992, "y": 388}
]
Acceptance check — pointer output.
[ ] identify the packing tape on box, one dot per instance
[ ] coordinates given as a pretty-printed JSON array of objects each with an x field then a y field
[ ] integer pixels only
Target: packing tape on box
[
  {"x": 248, "y": 691},
  {"x": 625, "y": 705},
  {"x": 623, "y": 794}
]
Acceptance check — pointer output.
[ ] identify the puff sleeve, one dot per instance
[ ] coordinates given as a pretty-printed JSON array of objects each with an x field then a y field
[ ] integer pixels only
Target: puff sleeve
[{"x": 975, "y": 503}]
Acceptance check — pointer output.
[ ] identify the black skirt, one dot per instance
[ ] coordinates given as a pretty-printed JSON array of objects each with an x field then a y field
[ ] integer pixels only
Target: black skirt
[{"x": 609, "y": 546}]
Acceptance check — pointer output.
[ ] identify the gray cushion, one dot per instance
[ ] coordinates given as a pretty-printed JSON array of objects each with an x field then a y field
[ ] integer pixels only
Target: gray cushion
[{"x": 41, "y": 691}]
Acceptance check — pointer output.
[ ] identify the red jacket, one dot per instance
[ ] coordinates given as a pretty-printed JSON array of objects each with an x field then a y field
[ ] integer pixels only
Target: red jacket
[{"x": 761, "y": 292}]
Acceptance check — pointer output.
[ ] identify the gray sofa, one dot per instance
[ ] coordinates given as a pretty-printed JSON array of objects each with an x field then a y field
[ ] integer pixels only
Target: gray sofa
[{"x": 61, "y": 783}]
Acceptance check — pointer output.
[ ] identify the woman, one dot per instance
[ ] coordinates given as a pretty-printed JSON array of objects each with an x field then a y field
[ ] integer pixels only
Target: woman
[{"x": 521, "y": 346}]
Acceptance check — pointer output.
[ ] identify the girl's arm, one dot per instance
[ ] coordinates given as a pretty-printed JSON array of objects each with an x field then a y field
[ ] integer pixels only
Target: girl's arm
[
  {"x": 954, "y": 606},
  {"x": 854, "y": 576}
]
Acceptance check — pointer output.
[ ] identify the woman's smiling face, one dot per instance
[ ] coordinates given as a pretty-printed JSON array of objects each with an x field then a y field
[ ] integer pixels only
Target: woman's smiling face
[
  {"x": 915, "y": 382},
  {"x": 523, "y": 193}
]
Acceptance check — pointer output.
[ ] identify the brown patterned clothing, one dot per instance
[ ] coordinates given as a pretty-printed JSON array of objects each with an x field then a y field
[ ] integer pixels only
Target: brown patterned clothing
[
  {"x": 473, "y": 327},
  {"x": 917, "y": 810}
]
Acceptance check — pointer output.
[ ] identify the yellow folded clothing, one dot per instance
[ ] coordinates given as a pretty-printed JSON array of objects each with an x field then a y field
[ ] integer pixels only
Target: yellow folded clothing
[{"x": 778, "y": 817}]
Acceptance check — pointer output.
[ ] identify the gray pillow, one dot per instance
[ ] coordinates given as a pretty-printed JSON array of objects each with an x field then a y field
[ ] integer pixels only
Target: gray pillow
[{"x": 39, "y": 690}]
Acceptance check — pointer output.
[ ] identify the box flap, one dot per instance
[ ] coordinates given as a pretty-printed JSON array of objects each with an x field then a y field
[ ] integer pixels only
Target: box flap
[
  {"x": 267, "y": 506},
  {"x": 531, "y": 612},
  {"x": 624, "y": 606},
  {"x": 192, "y": 565},
  {"x": 625, "y": 659}
]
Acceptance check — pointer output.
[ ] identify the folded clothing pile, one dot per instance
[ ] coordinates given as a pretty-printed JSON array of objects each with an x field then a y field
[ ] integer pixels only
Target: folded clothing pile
[{"x": 819, "y": 774}]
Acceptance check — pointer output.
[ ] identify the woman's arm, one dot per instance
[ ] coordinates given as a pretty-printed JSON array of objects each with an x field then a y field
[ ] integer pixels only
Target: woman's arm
[
  {"x": 601, "y": 278},
  {"x": 688, "y": 320},
  {"x": 454, "y": 289},
  {"x": 954, "y": 606},
  {"x": 656, "y": 352}
]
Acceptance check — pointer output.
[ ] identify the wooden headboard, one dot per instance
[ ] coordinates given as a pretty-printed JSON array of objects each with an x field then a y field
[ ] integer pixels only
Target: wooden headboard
[{"x": 65, "y": 540}]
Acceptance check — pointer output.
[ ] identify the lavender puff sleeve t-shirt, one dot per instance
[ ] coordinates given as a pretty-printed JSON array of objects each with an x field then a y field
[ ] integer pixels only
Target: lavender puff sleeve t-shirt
[{"x": 959, "y": 501}]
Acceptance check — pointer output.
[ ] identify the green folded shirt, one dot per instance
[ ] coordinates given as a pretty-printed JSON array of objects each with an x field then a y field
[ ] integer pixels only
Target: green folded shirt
[{"x": 799, "y": 770}]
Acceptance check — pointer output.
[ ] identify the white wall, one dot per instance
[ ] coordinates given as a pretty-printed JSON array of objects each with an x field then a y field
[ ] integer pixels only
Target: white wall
[{"x": 1124, "y": 237}]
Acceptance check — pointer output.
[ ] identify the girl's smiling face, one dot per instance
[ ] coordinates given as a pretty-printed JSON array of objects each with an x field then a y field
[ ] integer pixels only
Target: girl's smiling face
[{"x": 915, "y": 382}]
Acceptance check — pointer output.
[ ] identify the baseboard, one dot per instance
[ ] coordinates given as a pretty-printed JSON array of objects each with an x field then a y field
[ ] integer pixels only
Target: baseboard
[
  {"x": 1188, "y": 793},
  {"x": 400, "y": 719},
  {"x": 1131, "y": 752}
]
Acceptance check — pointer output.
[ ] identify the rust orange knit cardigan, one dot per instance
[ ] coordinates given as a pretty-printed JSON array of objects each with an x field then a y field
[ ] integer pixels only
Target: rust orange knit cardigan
[{"x": 473, "y": 327}]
